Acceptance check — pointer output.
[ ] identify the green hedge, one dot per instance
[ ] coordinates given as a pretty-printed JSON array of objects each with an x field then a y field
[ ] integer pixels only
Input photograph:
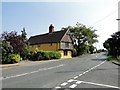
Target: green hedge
[
  {"x": 11, "y": 58},
  {"x": 14, "y": 58},
  {"x": 44, "y": 55}
]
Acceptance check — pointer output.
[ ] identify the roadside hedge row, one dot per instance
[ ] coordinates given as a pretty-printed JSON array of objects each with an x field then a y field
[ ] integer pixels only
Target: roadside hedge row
[
  {"x": 44, "y": 55},
  {"x": 11, "y": 58}
]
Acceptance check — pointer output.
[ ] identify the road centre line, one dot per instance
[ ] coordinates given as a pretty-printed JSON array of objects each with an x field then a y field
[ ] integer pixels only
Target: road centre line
[
  {"x": 76, "y": 77},
  {"x": 71, "y": 80},
  {"x": 91, "y": 68},
  {"x": 23, "y": 74},
  {"x": 63, "y": 84}
]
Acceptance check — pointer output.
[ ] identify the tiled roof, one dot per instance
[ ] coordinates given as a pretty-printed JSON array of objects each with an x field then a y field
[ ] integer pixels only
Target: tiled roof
[{"x": 47, "y": 38}]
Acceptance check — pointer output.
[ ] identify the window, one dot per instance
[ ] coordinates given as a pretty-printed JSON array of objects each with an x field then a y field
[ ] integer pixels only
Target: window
[
  {"x": 65, "y": 52},
  {"x": 66, "y": 44},
  {"x": 38, "y": 45}
]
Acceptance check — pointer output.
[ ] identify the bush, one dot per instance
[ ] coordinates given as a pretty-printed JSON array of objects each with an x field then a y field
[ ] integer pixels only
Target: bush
[
  {"x": 74, "y": 53},
  {"x": 14, "y": 58},
  {"x": 110, "y": 58},
  {"x": 44, "y": 55}
]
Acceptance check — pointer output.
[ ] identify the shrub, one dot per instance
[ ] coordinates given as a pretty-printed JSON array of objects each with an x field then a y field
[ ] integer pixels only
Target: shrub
[
  {"x": 74, "y": 53},
  {"x": 14, "y": 58},
  {"x": 44, "y": 55},
  {"x": 57, "y": 55},
  {"x": 110, "y": 58}
]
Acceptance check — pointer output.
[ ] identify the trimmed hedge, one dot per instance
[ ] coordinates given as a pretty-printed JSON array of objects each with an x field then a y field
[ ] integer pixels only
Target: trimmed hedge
[{"x": 44, "y": 55}]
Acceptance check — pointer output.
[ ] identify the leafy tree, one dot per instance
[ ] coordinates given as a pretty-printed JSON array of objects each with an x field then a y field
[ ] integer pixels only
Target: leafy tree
[
  {"x": 83, "y": 38},
  {"x": 7, "y": 49},
  {"x": 23, "y": 35},
  {"x": 18, "y": 42},
  {"x": 113, "y": 44}
]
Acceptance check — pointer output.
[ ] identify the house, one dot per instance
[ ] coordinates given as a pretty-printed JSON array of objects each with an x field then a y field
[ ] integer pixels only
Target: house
[{"x": 53, "y": 41}]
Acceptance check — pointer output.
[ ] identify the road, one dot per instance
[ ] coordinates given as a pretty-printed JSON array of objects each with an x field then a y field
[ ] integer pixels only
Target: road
[{"x": 89, "y": 71}]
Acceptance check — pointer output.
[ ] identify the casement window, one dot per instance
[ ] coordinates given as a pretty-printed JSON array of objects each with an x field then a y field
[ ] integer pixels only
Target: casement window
[
  {"x": 65, "y": 52},
  {"x": 38, "y": 45}
]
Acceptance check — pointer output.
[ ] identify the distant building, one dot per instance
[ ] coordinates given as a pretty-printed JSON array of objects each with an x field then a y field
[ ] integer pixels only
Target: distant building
[{"x": 53, "y": 41}]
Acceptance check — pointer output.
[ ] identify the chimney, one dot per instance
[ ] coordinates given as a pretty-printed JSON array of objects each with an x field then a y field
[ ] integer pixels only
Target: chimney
[{"x": 51, "y": 28}]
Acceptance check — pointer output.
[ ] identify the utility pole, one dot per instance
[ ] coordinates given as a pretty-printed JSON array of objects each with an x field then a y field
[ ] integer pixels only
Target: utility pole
[{"x": 118, "y": 16}]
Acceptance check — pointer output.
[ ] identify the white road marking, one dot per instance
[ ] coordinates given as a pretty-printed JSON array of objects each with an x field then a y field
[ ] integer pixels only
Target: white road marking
[
  {"x": 91, "y": 68},
  {"x": 71, "y": 80},
  {"x": 23, "y": 74},
  {"x": 78, "y": 82},
  {"x": 57, "y": 87},
  {"x": 63, "y": 84},
  {"x": 73, "y": 86},
  {"x": 80, "y": 74},
  {"x": 75, "y": 77},
  {"x": 100, "y": 84}
]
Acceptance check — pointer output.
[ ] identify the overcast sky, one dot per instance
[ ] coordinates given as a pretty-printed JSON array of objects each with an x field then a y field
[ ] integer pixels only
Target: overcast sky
[{"x": 38, "y": 15}]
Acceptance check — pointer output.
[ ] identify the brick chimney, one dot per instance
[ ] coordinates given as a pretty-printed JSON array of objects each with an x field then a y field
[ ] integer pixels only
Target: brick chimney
[{"x": 51, "y": 28}]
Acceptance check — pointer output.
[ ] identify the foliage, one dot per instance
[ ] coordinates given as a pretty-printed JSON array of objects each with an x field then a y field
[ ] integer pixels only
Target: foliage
[
  {"x": 18, "y": 42},
  {"x": 91, "y": 49},
  {"x": 74, "y": 53},
  {"x": 44, "y": 55},
  {"x": 113, "y": 44},
  {"x": 112, "y": 58},
  {"x": 7, "y": 49},
  {"x": 14, "y": 58},
  {"x": 23, "y": 35},
  {"x": 101, "y": 50},
  {"x": 83, "y": 38}
]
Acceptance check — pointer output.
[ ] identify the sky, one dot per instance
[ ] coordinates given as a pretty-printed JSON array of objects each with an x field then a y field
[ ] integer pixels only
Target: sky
[{"x": 37, "y": 15}]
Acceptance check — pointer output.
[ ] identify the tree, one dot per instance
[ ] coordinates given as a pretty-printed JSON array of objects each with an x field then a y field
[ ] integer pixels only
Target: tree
[
  {"x": 7, "y": 49},
  {"x": 18, "y": 42},
  {"x": 113, "y": 44},
  {"x": 23, "y": 35},
  {"x": 83, "y": 38}
]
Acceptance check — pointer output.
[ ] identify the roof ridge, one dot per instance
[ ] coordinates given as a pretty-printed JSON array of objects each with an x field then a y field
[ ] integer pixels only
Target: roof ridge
[
  {"x": 48, "y": 33},
  {"x": 47, "y": 37}
]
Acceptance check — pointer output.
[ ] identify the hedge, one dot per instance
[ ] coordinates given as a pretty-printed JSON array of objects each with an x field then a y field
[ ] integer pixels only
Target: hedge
[
  {"x": 44, "y": 55},
  {"x": 11, "y": 58}
]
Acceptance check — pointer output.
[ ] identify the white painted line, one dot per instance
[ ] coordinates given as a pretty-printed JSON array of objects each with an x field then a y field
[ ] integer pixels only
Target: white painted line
[
  {"x": 80, "y": 74},
  {"x": 63, "y": 84},
  {"x": 73, "y": 86},
  {"x": 71, "y": 80},
  {"x": 75, "y": 77},
  {"x": 92, "y": 68},
  {"x": 23, "y": 74},
  {"x": 57, "y": 87},
  {"x": 78, "y": 82},
  {"x": 100, "y": 84}
]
